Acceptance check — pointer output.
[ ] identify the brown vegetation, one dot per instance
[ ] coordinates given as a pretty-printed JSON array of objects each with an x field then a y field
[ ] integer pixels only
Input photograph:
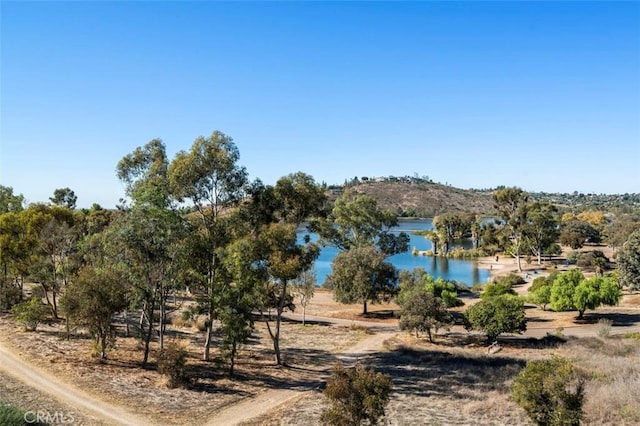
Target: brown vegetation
[{"x": 426, "y": 199}]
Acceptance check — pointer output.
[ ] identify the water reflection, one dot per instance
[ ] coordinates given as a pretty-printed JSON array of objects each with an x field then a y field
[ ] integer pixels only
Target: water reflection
[{"x": 463, "y": 271}]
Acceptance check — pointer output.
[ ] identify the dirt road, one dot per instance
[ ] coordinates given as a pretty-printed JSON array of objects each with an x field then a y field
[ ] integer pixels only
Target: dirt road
[
  {"x": 269, "y": 400},
  {"x": 37, "y": 379}
]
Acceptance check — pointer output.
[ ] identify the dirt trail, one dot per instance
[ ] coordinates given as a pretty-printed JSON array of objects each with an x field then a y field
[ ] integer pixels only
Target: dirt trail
[
  {"x": 251, "y": 408},
  {"x": 65, "y": 393}
]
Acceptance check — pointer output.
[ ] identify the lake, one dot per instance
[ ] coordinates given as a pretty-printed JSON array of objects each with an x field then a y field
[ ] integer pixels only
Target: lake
[{"x": 462, "y": 271}]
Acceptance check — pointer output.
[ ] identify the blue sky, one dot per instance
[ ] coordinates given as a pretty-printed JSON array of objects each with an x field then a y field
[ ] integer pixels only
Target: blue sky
[{"x": 540, "y": 95}]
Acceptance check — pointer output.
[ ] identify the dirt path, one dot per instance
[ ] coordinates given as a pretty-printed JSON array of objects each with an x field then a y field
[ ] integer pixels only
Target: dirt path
[
  {"x": 251, "y": 408},
  {"x": 37, "y": 379}
]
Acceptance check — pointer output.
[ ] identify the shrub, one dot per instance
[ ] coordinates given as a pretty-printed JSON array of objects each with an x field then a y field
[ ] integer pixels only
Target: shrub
[
  {"x": 573, "y": 256},
  {"x": 10, "y": 296},
  {"x": 497, "y": 315},
  {"x": 550, "y": 391},
  {"x": 31, "y": 313},
  {"x": 603, "y": 328},
  {"x": 496, "y": 289},
  {"x": 172, "y": 365},
  {"x": 355, "y": 395},
  {"x": 511, "y": 280}
]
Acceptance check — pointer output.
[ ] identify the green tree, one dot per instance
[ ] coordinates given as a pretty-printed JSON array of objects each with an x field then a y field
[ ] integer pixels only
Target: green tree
[
  {"x": 540, "y": 290},
  {"x": 619, "y": 230},
  {"x": 497, "y": 289},
  {"x": 31, "y": 313},
  {"x": 571, "y": 291},
  {"x": 57, "y": 245},
  {"x": 629, "y": 262},
  {"x": 276, "y": 215},
  {"x": 511, "y": 204},
  {"x": 64, "y": 197},
  {"x": 563, "y": 289},
  {"x": 284, "y": 260},
  {"x": 361, "y": 275},
  {"x": 551, "y": 392},
  {"x": 356, "y": 395},
  {"x": 10, "y": 202},
  {"x": 16, "y": 250},
  {"x": 93, "y": 299},
  {"x": 421, "y": 311},
  {"x": 304, "y": 287},
  {"x": 363, "y": 233},
  {"x": 497, "y": 315},
  {"x": 150, "y": 234},
  {"x": 574, "y": 233},
  {"x": 541, "y": 229},
  {"x": 210, "y": 177},
  {"x": 238, "y": 301},
  {"x": 594, "y": 292}
]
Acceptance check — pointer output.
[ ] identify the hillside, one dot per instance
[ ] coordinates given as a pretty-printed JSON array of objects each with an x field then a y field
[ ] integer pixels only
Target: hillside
[{"x": 425, "y": 199}]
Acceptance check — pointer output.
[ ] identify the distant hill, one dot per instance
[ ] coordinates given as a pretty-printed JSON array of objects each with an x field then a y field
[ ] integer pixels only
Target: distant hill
[
  {"x": 425, "y": 199},
  {"x": 414, "y": 197}
]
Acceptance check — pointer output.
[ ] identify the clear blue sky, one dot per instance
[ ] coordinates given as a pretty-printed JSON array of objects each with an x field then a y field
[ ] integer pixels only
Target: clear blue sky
[{"x": 540, "y": 95}]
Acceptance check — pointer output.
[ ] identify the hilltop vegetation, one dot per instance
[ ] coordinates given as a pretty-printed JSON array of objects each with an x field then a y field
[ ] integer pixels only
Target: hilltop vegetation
[
  {"x": 425, "y": 199},
  {"x": 422, "y": 197}
]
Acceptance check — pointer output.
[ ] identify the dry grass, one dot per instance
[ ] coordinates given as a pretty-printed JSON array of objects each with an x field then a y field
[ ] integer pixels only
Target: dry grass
[
  {"x": 121, "y": 380},
  {"x": 455, "y": 382},
  {"x": 613, "y": 367},
  {"x": 451, "y": 382},
  {"x": 28, "y": 400}
]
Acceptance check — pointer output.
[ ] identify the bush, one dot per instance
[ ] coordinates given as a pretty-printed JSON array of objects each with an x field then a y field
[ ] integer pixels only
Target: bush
[
  {"x": 31, "y": 313},
  {"x": 172, "y": 365},
  {"x": 11, "y": 416},
  {"x": 497, "y": 315},
  {"x": 355, "y": 395},
  {"x": 550, "y": 391},
  {"x": 10, "y": 296},
  {"x": 603, "y": 328},
  {"x": 573, "y": 256},
  {"x": 496, "y": 289},
  {"x": 511, "y": 280}
]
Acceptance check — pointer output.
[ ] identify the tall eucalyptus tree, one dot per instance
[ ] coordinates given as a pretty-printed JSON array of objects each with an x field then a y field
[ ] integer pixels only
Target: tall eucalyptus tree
[
  {"x": 362, "y": 231},
  {"x": 149, "y": 232},
  {"x": 511, "y": 204},
  {"x": 209, "y": 177}
]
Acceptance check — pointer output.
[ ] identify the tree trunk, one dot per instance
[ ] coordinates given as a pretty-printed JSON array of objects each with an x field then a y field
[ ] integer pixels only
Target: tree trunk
[
  {"x": 126, "y": 322},
  {"x": 103, "y": 346},
  {"x": 163, "y": 315},
  {"x": 147, "y": 339},
  {"x": 55, "y": 304},
  {"x": 233, "y": 357},
  {"x": 304, "y": 312},
  {"x": 364, "y": 308},
  {"x": 208, "y": 338},
  {"x": 518, "y": 257}
]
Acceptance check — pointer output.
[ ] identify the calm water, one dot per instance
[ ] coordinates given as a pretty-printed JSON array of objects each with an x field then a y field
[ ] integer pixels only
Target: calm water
[{"x": 462, "y": 271}]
